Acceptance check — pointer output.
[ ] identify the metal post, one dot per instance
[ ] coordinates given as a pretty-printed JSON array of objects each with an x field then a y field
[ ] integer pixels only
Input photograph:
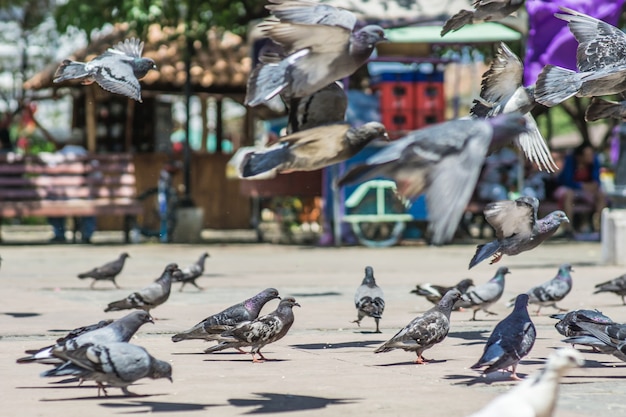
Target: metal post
[{"x": 187, "y": 201}]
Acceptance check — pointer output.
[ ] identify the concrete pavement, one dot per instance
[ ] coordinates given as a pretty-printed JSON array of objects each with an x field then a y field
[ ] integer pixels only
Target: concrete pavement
[{"x": 325, "y": 365}]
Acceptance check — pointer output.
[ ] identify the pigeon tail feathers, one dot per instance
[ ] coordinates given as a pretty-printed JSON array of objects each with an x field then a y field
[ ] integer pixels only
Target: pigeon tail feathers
[
  {"x": 602, "y": 109},
  {"x": 555, "y": 85},
  {"x": 257, "y": 163},
  {"x": 483, "y": 252},
  {"x": 70, "y": 70}
]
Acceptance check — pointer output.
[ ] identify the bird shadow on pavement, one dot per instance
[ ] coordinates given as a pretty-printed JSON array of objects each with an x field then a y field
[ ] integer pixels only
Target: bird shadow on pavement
[
  {"x": 475, "y": 337},
  {"x": 488, "y": 379},
  {"x": 137, "y": 407},
  {"x": 21, "y": 315},
  {"x": 428, "y": 363},
  {"x": 316, "y": 294},
  {"x": 356, "y": 344},
  {"x": 602, "y": 364},
  {"x": 268, "y": 403}
]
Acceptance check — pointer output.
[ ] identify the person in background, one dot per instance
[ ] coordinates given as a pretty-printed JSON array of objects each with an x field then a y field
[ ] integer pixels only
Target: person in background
[
  {"x": 6, "y": 146},
  {"x": 498, "y": 177}
]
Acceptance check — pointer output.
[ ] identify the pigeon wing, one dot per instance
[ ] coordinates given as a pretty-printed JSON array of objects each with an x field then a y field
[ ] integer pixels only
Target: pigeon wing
[
  {"x": 503, "y": 77},
  {"x": 510, "y": 218},
  {"x": 310, "y": 12},
  {"x": 534, "y": 146},
  {"x": 116, "y": 76},
  {"x": 132, "y": 47}
]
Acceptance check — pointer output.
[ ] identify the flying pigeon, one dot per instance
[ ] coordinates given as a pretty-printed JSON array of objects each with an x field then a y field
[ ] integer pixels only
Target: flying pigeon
[
  {"x": 326, "y": 106},
  {"x": 425, "y": 331},
  {"x": 600, "y": 58},
  {"x": 320, "y": 46},
  {"x": 502, "y": 91},
  {"x": 600, "y": 108},
  {"x": 192, "y": 272},
  {"x": 118, "y": 70},
  {"x": 510, "y": 341},
  {"x": 105, "y": 331},
  {"x": 369, "y": 299},
  {"x": 548, "y": 293},
  {"x": 116, "y": 364},
  {"x": 259, "y": 332},
  {"x": 434, "y": 292},
  {"x": 535, "y": 396},
  {"x": 211, "y": 327},
  {"x": 575, "y": 335},
  {"x": 517, "y": 228},
  {"x": 485, "y": 11},
  {"x": 312, "y": 149},
  {"x": 443, "y": 161},
  {"x": 481, "y": 297},
  {"x": 151, "y": 296},
  {"x": 616, "y": 286},
  {"x": 106, "y": 272}
]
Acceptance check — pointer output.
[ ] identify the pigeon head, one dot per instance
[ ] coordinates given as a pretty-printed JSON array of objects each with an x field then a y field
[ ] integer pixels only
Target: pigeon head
[
  {"x": 565, "y": 358},
  {"x": 288, "y": 302},
  {"x": 521, "y": 302},
  {"x": 358, "y": 137},
  {"x": 161, "y": 369},
  {"x": 448, "y": 300},
  {"x": 141, "y": 316},
  {"x": 124, "y": 255},
  {"x": 365, "y": 39},
  {"x": 369, "y": 277},
  {"x": 557, "y": 217},
  {"x": 141, "y": 66},
  {"x": 507, "y": 127},
  {"x": 464, "y": 285},
  {"x": 502, "y": 271},
  {"x": 566, "y": 269}
]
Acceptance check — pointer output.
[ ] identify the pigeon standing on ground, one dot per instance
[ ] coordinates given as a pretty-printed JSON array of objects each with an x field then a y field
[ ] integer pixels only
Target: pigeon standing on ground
[
  {"x": 369, "y": 299},
  {"x": 600, "y": 108},
  {"x": 312, "y": 149},
  {"x": 118, "y": 70},
  {"x": 502, "y": 91},
  {"x": 485, "y": 11},
  {"x": 106, "y": 272},
  {"x": 425, "y": 331},
  {"x": 110, "y": 364},
  {"x": 481, "y": 297},
  {"x": 612, "y": 338},
  {"x": 575, "y": 335},
  {"x": 321, "y": 47},
  {"x": 121, "y": 330},
  {"x": 193, "y": 272},
  {"x": 443, "y": 161},
  {"x": 517, "y": 228},
  {"x": 548, "y": 293},
  {"x": 211, "y": 327},
  {"x": 259, "y": 332},
  {"x": 434, "y": 293},
  {"x": 536, "y": 396},
  {"x": 510, "y": 341},
  {"x": 616, "y": 286},
  {"x": 600, "y": 58},
  {"x": 151, "y": 296}
]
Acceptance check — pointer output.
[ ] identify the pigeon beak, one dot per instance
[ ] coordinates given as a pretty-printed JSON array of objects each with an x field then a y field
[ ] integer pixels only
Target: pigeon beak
[
  {"x": 150, "y": 319},
  {"x": 296, "y": 304},
  {"x": 386, "y": 137}
]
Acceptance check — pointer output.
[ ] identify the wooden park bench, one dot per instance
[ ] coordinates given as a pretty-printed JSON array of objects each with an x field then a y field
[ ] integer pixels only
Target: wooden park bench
[{"x": 57, "y": 185}]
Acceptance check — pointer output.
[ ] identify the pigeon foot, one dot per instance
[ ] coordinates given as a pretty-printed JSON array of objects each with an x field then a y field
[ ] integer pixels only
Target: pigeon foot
[{"x": 496, "y": 258}]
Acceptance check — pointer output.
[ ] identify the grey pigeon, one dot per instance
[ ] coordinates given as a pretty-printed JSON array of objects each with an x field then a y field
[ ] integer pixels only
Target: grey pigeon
[
  {"x": 434, "y": 292},
  {"x": 312, "y": 149},
  {"x": 600, "y": 58},
  {"x": 443, "y": 161},
  {"x": 120, "y": 330},
  {"x": 425, "y": 331},
  {"x": 568, "y": 326},
  {"x": 481, "y": 297},
  {"x": 323, "y": 107},
  {"x": 612, "y": 338},
  {"x": 321, "y": 48},
  {"x": 484, "y": 11},
  {"x": 616, "y": 286},
  {"x": 118, "y": 70},
  {"x": 106, "y": 272},
  {"x": 259, "y": 332},
  {"x": 211, "y": 327},
  {"x": 117, "y": 364},
  {"x": 369, "y": 299},
  {"x": 510, "y": 341},
  {"x": 548, "y": 293},
  {"x": 517, "y": 228},
  {"x": 535, "y": 396},
  {"x": 502, "y": 91},
  {"x": 192, "y": 272},
  {"x": 151, "y": 296},
  {"x": 600, "y": 108}
]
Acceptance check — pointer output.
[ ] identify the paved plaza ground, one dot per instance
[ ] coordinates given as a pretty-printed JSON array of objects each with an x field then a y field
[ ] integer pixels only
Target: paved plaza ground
[{"x": 325, "y": 366}]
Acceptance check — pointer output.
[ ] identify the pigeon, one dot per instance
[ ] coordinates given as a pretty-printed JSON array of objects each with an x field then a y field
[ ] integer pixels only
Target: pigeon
[
  {"x": 481, "y": 297},
  {"x": 121, "y": 330},
  {"x": 443, "y": 161},
  {"x": 517, "y": 228},
  {"x": 151, "y": 296},
  {"x": 118, "y": 70},
  {"x": 259, "y": 332},
  {"x": 369, "y": 299},
  {"x": 575, "y": 335},
  {"x": 211, "y": 327},
  {"x": 548, "y": 293},
  {"x": 312, "y": 149},
  {"x": 600, "y": 108},
  {"x": 107, "y": 271},
  {"x": 192, "y": 272},
  {"x": 536, "y": 396},
  {"x": 612, "y": 338},
  {"x": 425, "y": 331},
  {"x": 502, "y": 91},
  {"x": 434, "y": 293},
  {"x": 600, "y": 59},
  {"x": 485, "y": 11},
  {"x": 116, "y": 364},
  {"x": 616, "y": 286},
  {"x": 510, "y": 341},
  {"x": 321, "y": 47},
  {"x": 323, "y": 107}
]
